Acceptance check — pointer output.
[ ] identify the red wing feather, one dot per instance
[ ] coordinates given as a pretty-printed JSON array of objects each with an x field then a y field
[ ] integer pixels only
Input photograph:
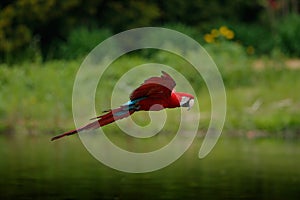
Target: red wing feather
[{"x": 155, "y": 87}]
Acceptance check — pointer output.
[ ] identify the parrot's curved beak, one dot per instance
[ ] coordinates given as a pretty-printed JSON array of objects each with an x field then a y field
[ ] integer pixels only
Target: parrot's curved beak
[
  {"x": 187, "y": 102},
  {"x": 191, "y": 103}
]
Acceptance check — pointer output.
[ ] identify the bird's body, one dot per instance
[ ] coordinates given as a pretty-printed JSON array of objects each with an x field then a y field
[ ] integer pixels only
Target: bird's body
[{"x": 155, "y": 94}]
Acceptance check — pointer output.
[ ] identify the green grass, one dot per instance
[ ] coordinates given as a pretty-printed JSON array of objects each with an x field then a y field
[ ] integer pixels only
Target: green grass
[
  {"x": 36, "y": 98},
  {"x": 270, "y": 104}
]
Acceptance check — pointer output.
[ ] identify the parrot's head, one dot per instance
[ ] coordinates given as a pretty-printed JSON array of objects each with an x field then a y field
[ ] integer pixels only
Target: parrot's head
[{"x": 185, "y": 100}]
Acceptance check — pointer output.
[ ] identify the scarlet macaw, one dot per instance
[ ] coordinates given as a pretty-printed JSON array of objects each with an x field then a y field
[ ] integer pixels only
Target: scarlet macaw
[{"x": 156, "y": 93}]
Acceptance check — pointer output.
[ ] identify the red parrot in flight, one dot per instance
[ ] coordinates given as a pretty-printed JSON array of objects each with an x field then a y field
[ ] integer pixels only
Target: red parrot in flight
[{"x": 156, "y": 93}]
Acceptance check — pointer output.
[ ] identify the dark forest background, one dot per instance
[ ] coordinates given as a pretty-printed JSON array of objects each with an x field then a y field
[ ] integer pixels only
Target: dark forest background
[{"x": 53, "y": 29}]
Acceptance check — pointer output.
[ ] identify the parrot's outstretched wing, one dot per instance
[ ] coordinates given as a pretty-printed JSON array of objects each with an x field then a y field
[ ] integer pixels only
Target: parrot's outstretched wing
[{"x": 155, "y": 87}]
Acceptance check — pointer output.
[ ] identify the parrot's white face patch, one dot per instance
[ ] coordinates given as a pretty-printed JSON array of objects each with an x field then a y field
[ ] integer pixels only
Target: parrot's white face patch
[
  {"x": 184, "y": 100},
  {"x": 187, "y": 102}
]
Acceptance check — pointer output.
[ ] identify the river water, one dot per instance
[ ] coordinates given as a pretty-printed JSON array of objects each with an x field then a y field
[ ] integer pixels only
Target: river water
[{"x": 237, "y": 168}]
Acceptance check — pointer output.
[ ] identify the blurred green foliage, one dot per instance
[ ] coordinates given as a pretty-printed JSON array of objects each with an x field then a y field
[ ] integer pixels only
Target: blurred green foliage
[
  {"x": 80, "y": 41},
  {"x": 289, "y": 35},
  {"x": 37, "y": 98},
  {"x": 261, "y": 38},
  {"x": 25, "y": 21},
  {"x": 35, "y": 30}
]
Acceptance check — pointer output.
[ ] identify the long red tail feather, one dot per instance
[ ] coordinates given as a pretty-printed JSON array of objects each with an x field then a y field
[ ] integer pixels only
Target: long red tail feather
[{"x": 103, "y": 120}]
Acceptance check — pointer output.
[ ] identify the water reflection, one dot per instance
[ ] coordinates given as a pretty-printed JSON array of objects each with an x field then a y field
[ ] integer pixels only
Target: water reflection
[{"x": 34, "y": 168}]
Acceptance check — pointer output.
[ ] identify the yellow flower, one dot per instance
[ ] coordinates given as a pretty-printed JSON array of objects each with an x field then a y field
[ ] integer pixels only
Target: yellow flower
[
  {"x": 223, "y": 30},
  {"x": 219, "y": 34},
  {"x": 214, "y": 32},
  {"x": 209, "y": 38},
  {"x": 226, "y": 32},
  {"x": 229, "y": 34}
]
